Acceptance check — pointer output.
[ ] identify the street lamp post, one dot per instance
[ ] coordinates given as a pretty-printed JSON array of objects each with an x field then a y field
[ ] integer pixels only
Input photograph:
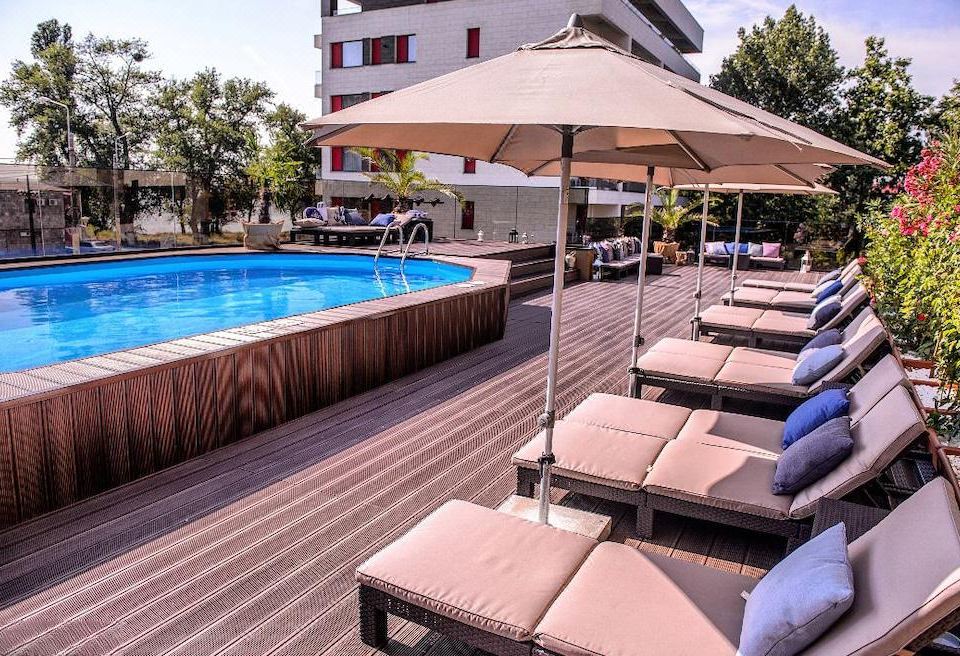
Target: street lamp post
[{"x": 71, "y": 153}]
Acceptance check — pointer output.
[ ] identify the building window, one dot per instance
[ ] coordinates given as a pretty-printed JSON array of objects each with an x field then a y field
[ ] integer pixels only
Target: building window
[
  {"x": 466, "y": 215},
  {"x": 376, "y": 54},
  {"x": 352, "y": 54},
  {"x": 345, "y": 160},
  {"x": 336, "y": 55},
  {"x": 336, "y": 158},
  {"x": 406, "y": 48},
  {"x": 473, "y": 42},
  {"x": 469, "y": 165},
  {"x": 348, "y": 100}
]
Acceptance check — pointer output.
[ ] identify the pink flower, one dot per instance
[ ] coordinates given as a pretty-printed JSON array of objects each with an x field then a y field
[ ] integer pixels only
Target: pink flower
[
  {"x": 921, "y": 317},
  {"x": 862, "y": 260}
]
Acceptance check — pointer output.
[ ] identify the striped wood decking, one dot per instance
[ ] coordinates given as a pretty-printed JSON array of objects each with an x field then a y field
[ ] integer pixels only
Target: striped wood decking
[{"x": 250, "y": 549}]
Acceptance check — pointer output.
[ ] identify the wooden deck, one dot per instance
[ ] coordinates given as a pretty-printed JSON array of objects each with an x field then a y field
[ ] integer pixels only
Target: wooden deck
[{"x": 250, "y": 549}]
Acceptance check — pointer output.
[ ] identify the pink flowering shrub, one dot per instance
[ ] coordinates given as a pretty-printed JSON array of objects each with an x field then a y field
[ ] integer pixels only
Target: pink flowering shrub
[{"x": 913, "y": 257}]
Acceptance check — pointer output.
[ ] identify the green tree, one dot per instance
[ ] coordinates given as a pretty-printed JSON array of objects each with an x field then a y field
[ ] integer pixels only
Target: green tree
[
  {"x": 275, "y": 172},
  {"x": 41, "y": 127},
  {"x": 207, "y": 128},
  {"x": 787, "y": 67},
  {"x": 397, "y": 172},
  {"x": 884, "y": 116},
  {"x": 947, "y": 111},
  {"x": 287, "y": 138},
  {"x": 671, "y": 214}
]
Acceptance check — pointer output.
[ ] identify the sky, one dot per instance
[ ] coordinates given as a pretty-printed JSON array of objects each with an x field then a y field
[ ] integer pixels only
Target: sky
[{"x": 272, "y": 40}]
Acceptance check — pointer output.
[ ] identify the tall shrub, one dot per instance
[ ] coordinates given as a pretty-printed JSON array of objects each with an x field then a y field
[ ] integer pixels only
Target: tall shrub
[{"x": 913, "y": 258}]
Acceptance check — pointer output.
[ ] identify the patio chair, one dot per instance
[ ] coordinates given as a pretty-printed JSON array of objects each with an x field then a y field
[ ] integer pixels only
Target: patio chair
[
  {"x": 799, "y": 301},
  {"x": 780, "y": 285},
  {"x": 509, "y": 586},
  {"x": 722, "y": 371},
  {"x": 754, "y": 324},
  {"x": 611, "y": 447}
]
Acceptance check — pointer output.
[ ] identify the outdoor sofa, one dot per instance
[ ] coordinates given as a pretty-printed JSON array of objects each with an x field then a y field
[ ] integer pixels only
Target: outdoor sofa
[
  {"x": 750, "y": 254},
  {"x": 351, "y": 235},
  {"x": 510, "y": 586},
  {"x": 717, "y": 465},
  {"x": 795, "y": 286},
  {"x": 745, "y": 372},
  {"x": 786, "y": 299},
  {"x": 617, "y": 268},
  {"x": 755, "y": 325}
]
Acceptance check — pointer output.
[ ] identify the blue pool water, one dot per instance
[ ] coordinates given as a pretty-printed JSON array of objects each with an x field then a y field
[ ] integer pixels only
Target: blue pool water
[{"x": 64, "y": 312}]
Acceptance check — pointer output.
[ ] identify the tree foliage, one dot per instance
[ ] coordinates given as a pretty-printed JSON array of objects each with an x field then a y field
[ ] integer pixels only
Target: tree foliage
[
  {"x": 397, "y": 172},
  {"x": 207, "y": 128}
]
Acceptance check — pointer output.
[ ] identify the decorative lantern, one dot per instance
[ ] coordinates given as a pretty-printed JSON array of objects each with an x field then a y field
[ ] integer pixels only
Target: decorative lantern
[
  {"x": 514, "y": 236},
  {"x": 479, "y": 235}
]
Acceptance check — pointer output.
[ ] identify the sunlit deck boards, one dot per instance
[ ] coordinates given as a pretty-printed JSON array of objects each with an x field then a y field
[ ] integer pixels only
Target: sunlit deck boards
[{"x": 251, "y": 549}]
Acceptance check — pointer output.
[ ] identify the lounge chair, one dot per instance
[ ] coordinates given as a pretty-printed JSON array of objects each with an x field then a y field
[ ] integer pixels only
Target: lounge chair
[
  {"x": 510, "y": 587},
  {"x": 797, "y": 301},
  {"x": 722, "y": 371},
  {"x": 754, "y": 324},
  {"x": 660, "y": 457},
  {"x": 792, "y": 286}
]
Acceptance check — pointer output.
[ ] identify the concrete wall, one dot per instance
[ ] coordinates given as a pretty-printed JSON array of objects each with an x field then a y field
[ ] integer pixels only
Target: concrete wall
[{"x": 48, "y": 221}]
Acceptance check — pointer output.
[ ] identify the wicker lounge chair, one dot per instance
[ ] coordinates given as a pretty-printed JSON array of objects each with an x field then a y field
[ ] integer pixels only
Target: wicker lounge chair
[
  {"x": 509, "y": 586},
  {"x": 617, "y": 268},
  {"x": 755, "y": 325},
  {"x": 792, "y": 286},
  {"x": 750, "y": 373},
  {"x": 798, "y": 301},
  {"x": 619, "y": 448}
]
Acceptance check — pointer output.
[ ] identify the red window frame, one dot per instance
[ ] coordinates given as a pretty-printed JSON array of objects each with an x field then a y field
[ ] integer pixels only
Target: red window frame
[
  {"x": 336, "y": 103},
  {"x": 403, "y": 49},
  {"x": 469, "y": 165},
  {"x": 467, "y": 214},
  {"x": 336, "y": 55},
  {"x": 336, "y": 158},
  {"x": 473, "y": 42},
  {"x": 375, "y": 54}
]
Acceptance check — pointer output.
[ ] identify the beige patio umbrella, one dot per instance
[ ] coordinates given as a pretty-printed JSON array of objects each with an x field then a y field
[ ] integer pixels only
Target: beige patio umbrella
[
  {"x": 739, "y": 188},
  {"x": 570, "y": 103}
]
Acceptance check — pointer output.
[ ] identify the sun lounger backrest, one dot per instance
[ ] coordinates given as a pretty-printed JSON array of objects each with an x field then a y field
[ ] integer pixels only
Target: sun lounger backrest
[
  {"x": 879, "y": 437},
  {"x": 853, "y": 299},
  {"x": 860, "y": 340},
  {"x": 849, "y": 279},
  {"x": 906, "y": 577},
  {"x": 880, "y": 379}
]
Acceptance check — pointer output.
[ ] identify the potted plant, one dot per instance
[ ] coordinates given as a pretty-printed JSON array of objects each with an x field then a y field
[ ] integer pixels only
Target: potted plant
[{"x": 670, "y": 216}]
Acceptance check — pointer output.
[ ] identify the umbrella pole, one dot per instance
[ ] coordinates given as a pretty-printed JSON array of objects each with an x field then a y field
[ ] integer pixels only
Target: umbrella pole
[
  {"x": 703, "y": 242},
  {"x": 548, "y": 417},
  {"x": 736, "y": 246},
  {"x": 642, "y": 274}
]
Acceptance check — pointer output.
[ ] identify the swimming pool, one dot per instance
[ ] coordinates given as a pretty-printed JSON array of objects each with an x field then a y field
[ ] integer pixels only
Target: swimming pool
[{"x": 63, "y": 312}]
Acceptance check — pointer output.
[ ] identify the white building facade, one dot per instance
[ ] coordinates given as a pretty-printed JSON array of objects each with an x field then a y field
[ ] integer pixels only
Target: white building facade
[{"x": 372, "y": 47}]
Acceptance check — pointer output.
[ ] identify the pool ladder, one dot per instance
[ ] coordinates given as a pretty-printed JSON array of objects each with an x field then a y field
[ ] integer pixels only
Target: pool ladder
[
  {"x": 405, "y": 249},
  {"x": 386, "y": 236}
]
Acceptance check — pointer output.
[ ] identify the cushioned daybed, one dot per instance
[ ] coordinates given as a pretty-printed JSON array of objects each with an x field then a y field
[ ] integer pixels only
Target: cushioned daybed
[
  {"x": 793, "y": 286},
  {"x": 750, "y": 373},
  {"x": 716, "y": 465},
  {"x": 786, "y": 299},
  {"x": 754, "y": 324},
  {"x": 509, "y": 586}
]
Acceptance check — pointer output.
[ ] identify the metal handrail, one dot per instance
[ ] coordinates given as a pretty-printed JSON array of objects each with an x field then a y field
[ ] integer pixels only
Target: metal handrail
[
  {"x": 413, "y": 236},
  {"x": 386, "y": 236}
]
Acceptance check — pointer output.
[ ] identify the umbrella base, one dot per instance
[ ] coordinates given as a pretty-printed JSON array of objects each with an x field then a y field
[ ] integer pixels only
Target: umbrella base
[{"x": 591, "y": 525}]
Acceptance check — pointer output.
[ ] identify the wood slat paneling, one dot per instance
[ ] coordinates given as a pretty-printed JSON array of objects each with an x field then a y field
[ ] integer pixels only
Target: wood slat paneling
[{"x": 89, "y": 437}]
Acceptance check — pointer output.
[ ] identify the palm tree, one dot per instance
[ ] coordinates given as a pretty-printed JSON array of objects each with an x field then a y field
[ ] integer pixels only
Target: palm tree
[
  {"x": 398, "y": 173},
  {"x": 671, "y": 214}
]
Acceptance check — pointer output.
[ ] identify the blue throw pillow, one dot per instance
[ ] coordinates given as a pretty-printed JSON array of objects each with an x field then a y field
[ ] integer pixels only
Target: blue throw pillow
[
  {"x": 830, "y": 275},
  {"x": 823, "y": 312},
  {"x": 816, "y": 365},
  {"x": 826, "y": 338},
  {"x": 744, "y": 248},
  {"x": 728, "y": 247},
  {"x": 834, "y": 287},
  {"x": 800, "y": 598},
  {"x": 383, "y": 220},
  {"x": 813, "y": 413},
  {"x": 813, "y": 456},
  {"x": 355, "y": 218}
]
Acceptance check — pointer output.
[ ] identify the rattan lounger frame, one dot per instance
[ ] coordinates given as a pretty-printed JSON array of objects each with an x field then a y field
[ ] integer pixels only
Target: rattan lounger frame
[{"x": 375, "y": 605}]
